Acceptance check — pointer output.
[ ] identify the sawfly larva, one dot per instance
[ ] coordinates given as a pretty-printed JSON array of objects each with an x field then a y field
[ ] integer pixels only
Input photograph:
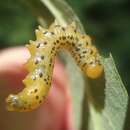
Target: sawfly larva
[{"x": 40, "y": 66}]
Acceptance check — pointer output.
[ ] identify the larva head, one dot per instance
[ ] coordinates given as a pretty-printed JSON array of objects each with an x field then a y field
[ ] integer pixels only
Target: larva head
[
  {"x": 94, "y": 71},
  {"x": 13, "y": 103}
]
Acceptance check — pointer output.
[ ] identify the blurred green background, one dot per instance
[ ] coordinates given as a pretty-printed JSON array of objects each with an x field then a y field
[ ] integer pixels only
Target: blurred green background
[{"x": 106, "y": 21}]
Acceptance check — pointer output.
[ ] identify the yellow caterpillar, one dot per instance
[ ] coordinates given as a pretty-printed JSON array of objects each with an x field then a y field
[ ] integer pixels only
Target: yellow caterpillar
[{"x": 40, "y": 65}]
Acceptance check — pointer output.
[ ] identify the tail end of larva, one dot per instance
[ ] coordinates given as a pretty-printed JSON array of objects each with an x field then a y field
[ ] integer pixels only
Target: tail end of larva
[
  {"x": 12, "y": 102},
  {"x": 94, "y": 71}
]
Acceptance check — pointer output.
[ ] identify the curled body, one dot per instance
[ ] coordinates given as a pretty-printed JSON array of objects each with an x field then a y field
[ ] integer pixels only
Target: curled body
[{"x": 40, "y": 65}]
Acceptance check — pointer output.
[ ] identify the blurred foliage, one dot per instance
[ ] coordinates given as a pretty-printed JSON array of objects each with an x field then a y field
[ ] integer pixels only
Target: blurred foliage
[
  {"x": 16, "y": 23},
  {"x": 106, "y": 21}
]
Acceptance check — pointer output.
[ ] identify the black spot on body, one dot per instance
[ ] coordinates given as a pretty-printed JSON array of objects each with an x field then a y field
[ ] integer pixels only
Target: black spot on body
[
  {"x": 57, "y": 25},
  {"x": 35, "y": 90},
  {"x": 45, "y": 32},
  {"x": 48, "y": 77},
  {"x": 91, "y": 52},
  {"x": 86, "y": 43},
  {"x": 71, "y": 37},
  {"x": 42, "y": 57},
  {"x": 60, "y": 38},
  {"x": 84, "y": 64},
  {"x": 36, "y": 62},
  {"x": 53, "y": 48},
  {"x": 92, "y": 62},
  {"x": 38, "y": 45},
  {"x": 67, "y": 42},
  {"x": 40, "y": 74},
  {"x": 57, "y": 41},
  {"x": 33, "y": 78},
  {"x": 63, "y": 37},
  {"x": 79, "y": 45},
  {"x": 45, "y": 43},
  {"x": 46, "y": 81},
  {"x": 63, "y": 28},
  {"x": 40, "y": 101},
  {"x": 77, "y": 49},
  {"x": 52, "y": 33},
  {"x": 73, "y": 44},
  {"x": 37, "y": 97},
  {"x": 84, "y": 52}
]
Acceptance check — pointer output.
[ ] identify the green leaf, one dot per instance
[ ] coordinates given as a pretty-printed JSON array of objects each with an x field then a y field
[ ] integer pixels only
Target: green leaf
[
  {"x": 105, "y": 97},
  {"x": 108, "y": 99}
]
